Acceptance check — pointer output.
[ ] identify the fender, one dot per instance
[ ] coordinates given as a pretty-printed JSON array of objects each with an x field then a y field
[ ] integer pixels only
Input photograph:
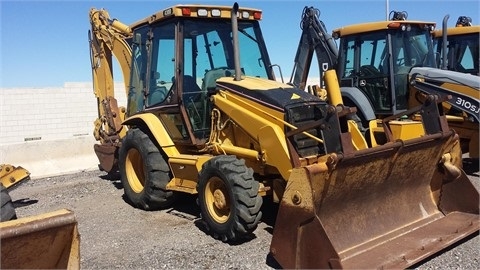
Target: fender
[
  {"x": 157, "y": 129},
  {"x": 361, "y": 101}
]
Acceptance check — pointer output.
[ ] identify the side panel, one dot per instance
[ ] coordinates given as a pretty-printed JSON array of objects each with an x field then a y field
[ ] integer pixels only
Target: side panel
[{"x": 269, "y": 132}]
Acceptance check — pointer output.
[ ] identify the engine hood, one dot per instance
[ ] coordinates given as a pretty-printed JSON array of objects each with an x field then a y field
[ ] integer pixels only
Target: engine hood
[
  {"x": 267, "y": 92},
  {"x": 448, "y": 76}
]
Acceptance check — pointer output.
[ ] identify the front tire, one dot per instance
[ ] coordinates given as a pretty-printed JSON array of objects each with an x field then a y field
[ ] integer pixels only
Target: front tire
[
  {"x": 228, "y": 198},
  {"x": 144, "y": 172}
]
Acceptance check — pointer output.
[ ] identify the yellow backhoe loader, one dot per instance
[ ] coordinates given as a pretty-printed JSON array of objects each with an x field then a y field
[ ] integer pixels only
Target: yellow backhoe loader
[
  {"x": 206, "y": 116},
  {"x": 376, "y": 63},
  {"x": 10, "y": 177},
  {"x": 45, "y": 241}
]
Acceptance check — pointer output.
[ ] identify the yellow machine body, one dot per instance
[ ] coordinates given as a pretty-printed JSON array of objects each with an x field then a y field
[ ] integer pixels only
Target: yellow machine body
[{"x": 385, "y": 82}]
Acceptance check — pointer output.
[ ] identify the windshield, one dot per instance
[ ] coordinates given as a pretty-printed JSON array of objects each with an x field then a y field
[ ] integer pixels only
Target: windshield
[
  {"x": 208, "y": 45},
  {"x": 208, "y": 55},
  {"x": 378, "y": 63},
  {"x": 462, "y": 53},
  {"x": 412, "y": 47}
]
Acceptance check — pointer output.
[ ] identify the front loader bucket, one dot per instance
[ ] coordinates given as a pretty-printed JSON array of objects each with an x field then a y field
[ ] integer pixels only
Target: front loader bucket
[
  {"x": 46, "y": 241},
  {"x": 386, "y": 207}
]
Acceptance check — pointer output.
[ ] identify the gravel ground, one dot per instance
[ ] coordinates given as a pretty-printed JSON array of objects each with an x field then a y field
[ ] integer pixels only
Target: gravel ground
[{"x": 115, "y": 235}]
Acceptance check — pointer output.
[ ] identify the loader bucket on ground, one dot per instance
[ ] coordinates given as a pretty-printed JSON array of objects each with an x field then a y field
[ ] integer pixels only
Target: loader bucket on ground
[
  {"x": 46, "y": 241},
  {"x": 384, "y": 207}
]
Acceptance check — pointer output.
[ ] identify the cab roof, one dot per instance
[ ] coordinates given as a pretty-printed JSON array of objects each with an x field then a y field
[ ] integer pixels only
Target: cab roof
[
  {"x": 199, "y": 11},
  {"x": 375, "y": 26},
  {"x": 460, "y": 30}
]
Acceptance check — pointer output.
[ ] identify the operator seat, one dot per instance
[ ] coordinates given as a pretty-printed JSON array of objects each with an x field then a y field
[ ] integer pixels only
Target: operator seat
[
  {"x": 191, "y": 90},
  {"x": 157, "y": 92},
  {"x": 210, "y": 79}
]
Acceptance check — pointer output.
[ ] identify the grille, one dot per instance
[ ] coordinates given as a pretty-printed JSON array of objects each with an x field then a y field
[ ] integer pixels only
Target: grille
[{"x": 306, "y": 115}]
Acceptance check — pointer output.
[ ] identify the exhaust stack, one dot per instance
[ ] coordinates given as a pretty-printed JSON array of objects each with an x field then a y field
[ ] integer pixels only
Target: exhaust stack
[{"x": 236, "y": 50}]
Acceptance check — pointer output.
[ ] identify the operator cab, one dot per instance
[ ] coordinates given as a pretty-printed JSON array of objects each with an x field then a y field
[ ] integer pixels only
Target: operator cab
[
  {"x": 462, "y": 46},
  {"x": 179, "y": 53},
  {"x": 381, "y": 60},
  {"x": 462, "y": 52}
]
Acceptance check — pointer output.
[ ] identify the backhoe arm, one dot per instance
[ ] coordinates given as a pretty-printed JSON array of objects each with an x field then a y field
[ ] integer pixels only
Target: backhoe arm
[
  {"x": 314, "y": 38},
  {"x": 461, "y": 101},
  {"x": 108, "y": 37}
]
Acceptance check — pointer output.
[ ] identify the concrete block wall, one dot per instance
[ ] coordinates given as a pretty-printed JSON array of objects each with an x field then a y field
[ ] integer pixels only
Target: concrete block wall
[
  {"x": 34, "y": 114},
  {"x": 49, "y": 131}
]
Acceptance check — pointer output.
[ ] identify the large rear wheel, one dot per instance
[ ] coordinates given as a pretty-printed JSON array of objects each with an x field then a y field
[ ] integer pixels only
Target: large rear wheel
[
  {"x": 144, "y": 172},
  {"x": 228, "y": 198}
]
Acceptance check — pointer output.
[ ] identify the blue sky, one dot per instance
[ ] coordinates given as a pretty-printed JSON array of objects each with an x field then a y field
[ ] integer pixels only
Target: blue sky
[{"x": 44, "y": 43}]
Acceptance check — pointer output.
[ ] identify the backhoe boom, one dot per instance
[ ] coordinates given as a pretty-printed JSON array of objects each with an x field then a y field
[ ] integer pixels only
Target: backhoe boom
[
  {"x": 108, "y": 37},
  {"x": 314, "y": 38}
]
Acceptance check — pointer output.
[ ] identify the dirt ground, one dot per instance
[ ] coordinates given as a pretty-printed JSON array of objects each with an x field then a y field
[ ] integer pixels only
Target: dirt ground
[{"x": 114, "y": 235}]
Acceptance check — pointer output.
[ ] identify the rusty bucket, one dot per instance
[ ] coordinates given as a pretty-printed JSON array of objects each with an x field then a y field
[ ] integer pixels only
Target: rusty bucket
[
  {"x": 385, "y": 207},
  {"x": 46, "y": 241}
]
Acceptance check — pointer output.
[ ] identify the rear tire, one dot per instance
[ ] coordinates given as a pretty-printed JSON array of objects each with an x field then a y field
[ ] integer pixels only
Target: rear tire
[
  {"x": 7, "y": 208},
  {"x": 144, "y": 172},
  {"x": 228, "y": 198}
]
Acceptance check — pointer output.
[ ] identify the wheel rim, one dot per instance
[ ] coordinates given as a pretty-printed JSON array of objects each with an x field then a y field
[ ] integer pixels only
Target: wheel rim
[
  {"x": 217, "y": 199},
  {"x": 134, "y": 170}
]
